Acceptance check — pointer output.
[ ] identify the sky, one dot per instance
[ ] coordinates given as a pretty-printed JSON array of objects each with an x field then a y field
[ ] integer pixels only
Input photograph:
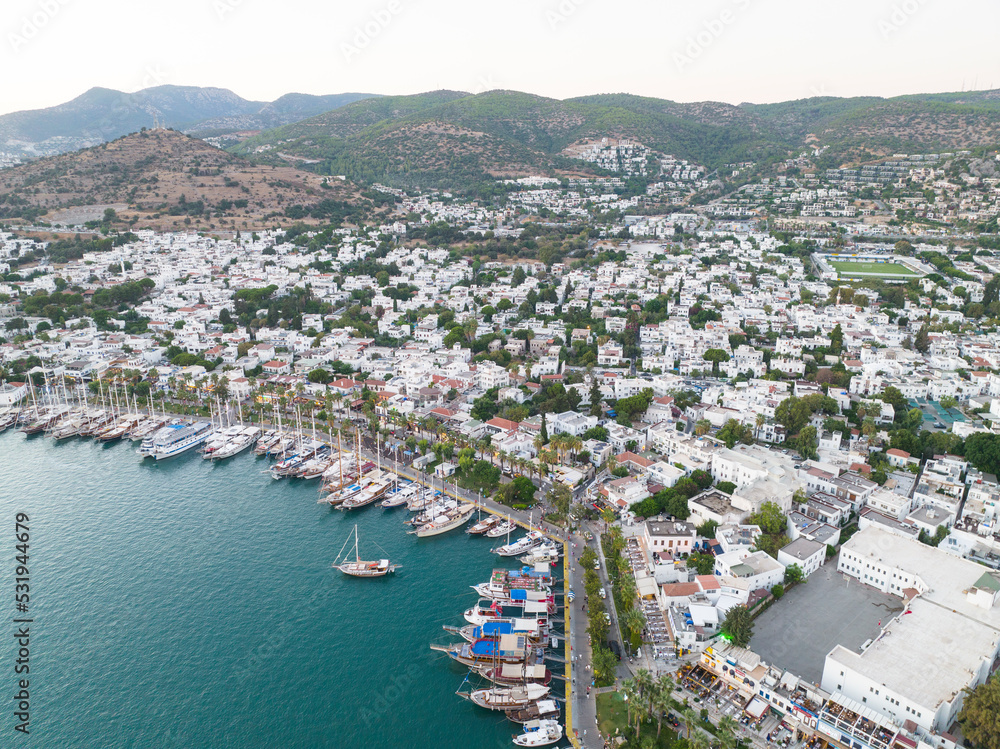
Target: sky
[{"x": 685, "y": 50}]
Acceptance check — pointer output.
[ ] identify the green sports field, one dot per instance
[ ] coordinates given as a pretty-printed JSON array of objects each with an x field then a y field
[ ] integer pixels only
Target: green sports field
[{"x": 870, "y": 269}]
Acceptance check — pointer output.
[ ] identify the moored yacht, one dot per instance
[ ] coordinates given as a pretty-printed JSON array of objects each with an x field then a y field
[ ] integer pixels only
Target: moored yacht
[
  {"x": 446, "y": 521},
  {"x": 505, "y": 698},
  {"x": 174, "y": 440},
  {"x": 485, "y": 525},
  {"x": 539, "y": 733},
  {"x": 529, "y": 542}
]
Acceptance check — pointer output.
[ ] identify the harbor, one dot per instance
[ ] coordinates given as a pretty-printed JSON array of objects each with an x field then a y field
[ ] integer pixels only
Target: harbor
[{"x": 213, "y": 467}]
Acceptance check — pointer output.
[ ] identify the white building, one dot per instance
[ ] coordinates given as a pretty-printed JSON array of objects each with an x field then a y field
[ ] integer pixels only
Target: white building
[
  {"x": 808, "y": 555},
  {"x": 945, "y": 640}
]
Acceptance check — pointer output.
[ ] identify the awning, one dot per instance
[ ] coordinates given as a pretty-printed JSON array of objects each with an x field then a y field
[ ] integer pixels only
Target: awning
[{"x": 756, "y": 708}]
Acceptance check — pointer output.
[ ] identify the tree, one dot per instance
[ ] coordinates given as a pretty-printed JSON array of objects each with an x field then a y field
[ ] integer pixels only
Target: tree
[
  {"x": 895, "y": 398},
  {"x": 544, "y": 431},
  {"x": 728, "y": 732},
  {"x": 690, "y": 720},
  {"x": 520, "y": 491},
  {"x": 738, "y": 626},
  {"x": 704, "y": 564},
  {"x": 807, "y": 442},
  {"x": 708, "y": 529},
  {"x": 733, "y": 432},
  {"x": 948, "y": 401},
  {"x": 794, "y": 413},
  {"x": 922, "y": 341},
  {"x": 983, "y": 451},
  {"x": 485, "y": 407},
  {"x": 702, "y": 478},
  {"x": 608, "y": 516},
  {"x": 559, "y": 497},
  {"x": 837, "y": 339},
  {"x": 634, "y": 619},
  {"x": 793, "y": 574},
  {"x": 980, "y": 715},
  {"x": 662, "y": 701},
  {"x": 716, "y": 356},
  {"x": 770, "y": 518},
  {"x": 595, "y": 399},
  {"x": 320, "y": 375},
  {"x": 699, "y": 741},
  {"x": 758, "y": 422},
  {"x": 604, "y": 662}
]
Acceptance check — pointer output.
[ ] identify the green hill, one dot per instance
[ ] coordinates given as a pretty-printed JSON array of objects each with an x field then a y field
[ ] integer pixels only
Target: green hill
[{"x": 451, "y": 139}]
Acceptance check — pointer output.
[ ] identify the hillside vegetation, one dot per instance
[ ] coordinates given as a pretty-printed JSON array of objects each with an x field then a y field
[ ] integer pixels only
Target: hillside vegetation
[
  {"x": 164, "y": 179},
  {"x": 425, "y": 140}
]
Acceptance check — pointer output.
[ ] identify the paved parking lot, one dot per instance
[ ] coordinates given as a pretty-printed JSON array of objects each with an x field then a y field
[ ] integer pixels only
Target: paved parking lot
[{"x": 798, "y": 631}]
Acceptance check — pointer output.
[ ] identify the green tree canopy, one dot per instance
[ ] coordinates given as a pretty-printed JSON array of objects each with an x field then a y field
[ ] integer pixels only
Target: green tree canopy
[
  {"x": 770, "y": 518},
  {"x": 983, "y": 451},
  {"x": 738, "y": 626},
  {"x": 980, "y": 715}
]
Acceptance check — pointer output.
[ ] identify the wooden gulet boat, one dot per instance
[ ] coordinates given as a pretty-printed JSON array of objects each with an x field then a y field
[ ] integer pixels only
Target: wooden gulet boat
[{"x": 360, "y": 568}]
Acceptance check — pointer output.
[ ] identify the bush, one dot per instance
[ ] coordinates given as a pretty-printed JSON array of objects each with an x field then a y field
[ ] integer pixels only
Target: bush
[{"x": 778, "y": 591}]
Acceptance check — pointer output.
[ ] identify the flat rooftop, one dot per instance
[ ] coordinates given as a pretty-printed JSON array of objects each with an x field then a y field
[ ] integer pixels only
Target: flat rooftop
[
  {"x": 946, "y": 577},
  {"x": 799, "y": 631},
  {"x": 929, "y": 655}
]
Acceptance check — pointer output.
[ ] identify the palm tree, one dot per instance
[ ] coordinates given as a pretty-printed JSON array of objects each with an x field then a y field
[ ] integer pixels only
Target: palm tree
[
  {"x": 662, "y": 701},
  {"x": 630, "y": 692},
  {"x": 699, "y": 741},
  {"x": 608, "y": 516},
  {"x": 635, "y": 620},
  {"x": 641, "y": 710},
  {"x": 690, "y": 720},
  {"x": 622, "y": 565},
  {"x": 665, "y": 685},
  {"x": 758, "y": 422},
  {"x": 558, "y": 443},
  {"x": 644, "y": 681},
  {"x": 727, "y": 732},
  {"x": 575, "y": 444}
]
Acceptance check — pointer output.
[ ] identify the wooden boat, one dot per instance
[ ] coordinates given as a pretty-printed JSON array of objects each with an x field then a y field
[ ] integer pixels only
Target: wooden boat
[
  {"x": 506, "y": 698},
  {"x": 541, "y": 710},
  {"x": 484, "y": 525},
  {"x": 510, "y": 674}
]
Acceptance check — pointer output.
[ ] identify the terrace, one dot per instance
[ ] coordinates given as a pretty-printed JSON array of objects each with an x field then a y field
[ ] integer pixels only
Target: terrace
[{"x": 862, "y": 724}]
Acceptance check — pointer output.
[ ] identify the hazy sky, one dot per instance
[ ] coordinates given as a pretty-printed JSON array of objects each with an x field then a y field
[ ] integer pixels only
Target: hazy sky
[{"x": 686, "y": 50}]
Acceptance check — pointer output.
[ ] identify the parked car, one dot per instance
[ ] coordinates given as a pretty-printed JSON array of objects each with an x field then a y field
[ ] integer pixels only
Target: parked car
[{"x": 602, "y": 593}]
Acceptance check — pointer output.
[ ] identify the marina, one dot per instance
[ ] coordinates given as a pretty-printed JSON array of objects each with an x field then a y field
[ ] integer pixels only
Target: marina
[{"x": 208, "y": 518}]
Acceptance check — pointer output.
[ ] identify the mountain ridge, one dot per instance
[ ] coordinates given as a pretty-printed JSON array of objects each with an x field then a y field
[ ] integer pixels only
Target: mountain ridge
[
  {"x": 507, "y": 133},
  {"x": 103, "y": 114}
]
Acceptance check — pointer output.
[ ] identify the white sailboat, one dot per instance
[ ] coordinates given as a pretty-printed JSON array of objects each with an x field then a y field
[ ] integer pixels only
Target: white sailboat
[{"x": 359, "y": 568}]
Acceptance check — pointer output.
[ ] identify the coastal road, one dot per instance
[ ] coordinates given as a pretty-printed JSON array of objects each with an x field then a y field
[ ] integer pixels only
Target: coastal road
[{"x": 584, "y": 705}]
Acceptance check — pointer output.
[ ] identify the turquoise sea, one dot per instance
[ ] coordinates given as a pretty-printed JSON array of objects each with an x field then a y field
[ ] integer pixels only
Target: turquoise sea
[{"x": 185, "y": 604}]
